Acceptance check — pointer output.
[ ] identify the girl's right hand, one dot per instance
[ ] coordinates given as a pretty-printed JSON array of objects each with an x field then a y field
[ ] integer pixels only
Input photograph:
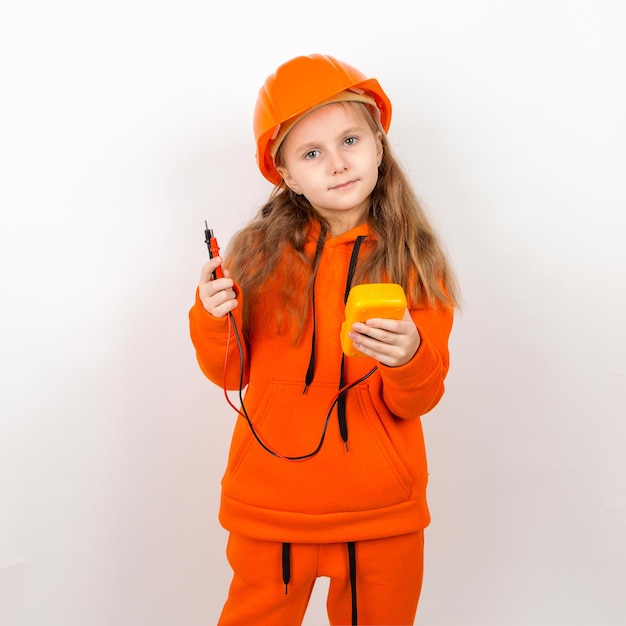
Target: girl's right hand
[{"x": 217, "y": 295}]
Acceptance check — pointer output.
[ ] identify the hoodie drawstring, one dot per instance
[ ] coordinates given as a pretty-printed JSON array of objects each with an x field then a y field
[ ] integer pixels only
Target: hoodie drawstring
[
  {"x": 341, "y": 402},
  {"x": 286, "y": 564},
  {"x": 308, "y": 379}
]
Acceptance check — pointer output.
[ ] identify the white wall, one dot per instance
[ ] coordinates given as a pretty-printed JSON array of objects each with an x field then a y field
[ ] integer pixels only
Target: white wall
[{"x": 123, "y": 125}]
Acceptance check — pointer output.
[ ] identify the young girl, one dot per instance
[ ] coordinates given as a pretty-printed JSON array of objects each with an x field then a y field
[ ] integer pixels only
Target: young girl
[{"x": 321, "y": 482}]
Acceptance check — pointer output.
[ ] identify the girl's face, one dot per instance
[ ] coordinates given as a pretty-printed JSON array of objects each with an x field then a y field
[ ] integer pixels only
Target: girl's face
[{"x": 331, "y": 156}]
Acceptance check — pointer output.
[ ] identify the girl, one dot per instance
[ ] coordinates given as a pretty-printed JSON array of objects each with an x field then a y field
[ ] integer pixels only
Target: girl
[{"x": 323, "y": 482}]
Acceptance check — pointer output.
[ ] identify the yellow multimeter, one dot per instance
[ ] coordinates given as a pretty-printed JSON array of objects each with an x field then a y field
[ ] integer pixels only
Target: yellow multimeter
[{"x": 364, "y": 302}]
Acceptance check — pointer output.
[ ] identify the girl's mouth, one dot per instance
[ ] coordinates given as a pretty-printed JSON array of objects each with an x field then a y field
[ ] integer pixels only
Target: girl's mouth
[{"x": 343, "y": 185}]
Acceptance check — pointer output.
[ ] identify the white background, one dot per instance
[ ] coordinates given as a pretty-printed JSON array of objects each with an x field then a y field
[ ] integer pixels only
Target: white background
[{"x": 125, "y": 124}]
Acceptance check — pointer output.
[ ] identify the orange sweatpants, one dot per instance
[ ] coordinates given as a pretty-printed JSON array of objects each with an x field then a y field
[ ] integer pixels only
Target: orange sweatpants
[{"x": 388, "y": 581}]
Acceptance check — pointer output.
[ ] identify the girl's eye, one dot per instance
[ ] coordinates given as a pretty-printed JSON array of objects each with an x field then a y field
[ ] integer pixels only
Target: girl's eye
[
  {"x": 311, "y": 154},
  {"x": 350, "y": 141}
]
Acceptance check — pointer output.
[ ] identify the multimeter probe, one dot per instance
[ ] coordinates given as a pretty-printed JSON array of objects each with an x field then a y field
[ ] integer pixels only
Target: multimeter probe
[{"x": 214, "y": 249}]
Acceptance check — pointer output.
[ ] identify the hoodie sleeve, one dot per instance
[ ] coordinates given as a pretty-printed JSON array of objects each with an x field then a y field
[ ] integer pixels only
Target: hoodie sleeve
[
  {"x": 215, "y": 340},
  {"x": 416, "y": 387}
]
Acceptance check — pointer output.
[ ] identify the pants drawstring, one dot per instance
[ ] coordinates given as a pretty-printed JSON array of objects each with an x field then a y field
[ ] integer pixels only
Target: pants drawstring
[
  {"x": 352, "y": 560},
  {"x": 286, "y": 565}
]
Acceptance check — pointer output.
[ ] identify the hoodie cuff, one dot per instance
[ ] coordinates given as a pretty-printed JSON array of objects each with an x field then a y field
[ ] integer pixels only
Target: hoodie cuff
[
  {"x": 425, "y": 365},
  {"x": 202, "y": 321}
]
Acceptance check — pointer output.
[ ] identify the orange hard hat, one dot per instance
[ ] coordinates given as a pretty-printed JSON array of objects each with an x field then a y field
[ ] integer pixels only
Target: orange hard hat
[{"x": 300, "y": 85}]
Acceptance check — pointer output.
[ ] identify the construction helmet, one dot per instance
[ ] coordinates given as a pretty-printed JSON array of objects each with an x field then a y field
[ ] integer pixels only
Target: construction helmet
[{"x": 300, "y": 85}]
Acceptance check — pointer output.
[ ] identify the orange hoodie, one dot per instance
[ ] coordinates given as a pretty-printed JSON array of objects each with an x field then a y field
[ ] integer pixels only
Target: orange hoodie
[{"x": 373, "y": 487}]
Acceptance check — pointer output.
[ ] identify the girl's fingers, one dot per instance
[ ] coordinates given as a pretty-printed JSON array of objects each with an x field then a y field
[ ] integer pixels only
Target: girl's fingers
[
  {"x": 392, "y": 342},
  {"x": 208, "y": 268}
]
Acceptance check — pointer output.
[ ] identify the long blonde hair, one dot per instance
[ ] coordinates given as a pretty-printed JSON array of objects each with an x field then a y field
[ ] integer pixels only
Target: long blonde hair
[{"x": 407, "y": 249}]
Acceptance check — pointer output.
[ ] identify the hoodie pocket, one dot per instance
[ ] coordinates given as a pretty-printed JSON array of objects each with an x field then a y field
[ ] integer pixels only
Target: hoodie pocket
[
  {"x": 379, "y": 427},
  {"x": 368, "y": 475}
]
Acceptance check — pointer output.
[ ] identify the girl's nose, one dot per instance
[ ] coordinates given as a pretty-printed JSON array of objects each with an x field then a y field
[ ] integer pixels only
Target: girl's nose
[{"x": 338, "y": 162}]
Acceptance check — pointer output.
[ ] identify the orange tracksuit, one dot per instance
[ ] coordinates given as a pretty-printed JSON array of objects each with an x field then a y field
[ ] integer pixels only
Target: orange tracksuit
[{"x": 370, "y": 487}]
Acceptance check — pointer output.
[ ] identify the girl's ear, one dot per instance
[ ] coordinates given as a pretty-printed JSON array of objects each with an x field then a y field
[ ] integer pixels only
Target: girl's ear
[
  {"x": 379, "y": 148},
  {"x": 288, "y": 180}
]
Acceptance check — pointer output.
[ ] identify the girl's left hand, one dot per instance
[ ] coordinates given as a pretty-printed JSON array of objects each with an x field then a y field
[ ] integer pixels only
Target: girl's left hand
[{"x": 391, "y": 342}]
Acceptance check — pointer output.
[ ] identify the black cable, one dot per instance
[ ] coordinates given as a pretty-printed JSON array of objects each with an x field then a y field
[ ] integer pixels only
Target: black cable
[
  {"x": 244, "y": 412},
  {"x": 213, "y": 248}
]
